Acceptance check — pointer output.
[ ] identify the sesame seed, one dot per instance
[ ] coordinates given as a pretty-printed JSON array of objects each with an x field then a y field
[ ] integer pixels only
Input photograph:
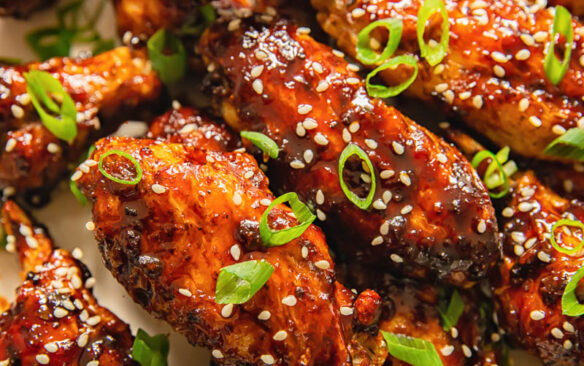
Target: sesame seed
[
  {"x": 353, "y": 67},
  {"x": 264, "y": 315},
  {"x": 438, "y": 69},
  {"x": 439, "y": 88},
  {"x": 377, "y": 241},
  {"x": 321, "y": 139},
  {"x": 447, "y": 350},
  {"x": 405, "y": 178},
  {"x": 454, "y": 332},
  {"x": 499, "y": 57},
  {"x": 352, "y": 81},
  {"x": 544, "y": 257},
  {"x": 358, "y": 12},
  {"x": 518, "y": 237},
  {"x": 317, "y": 67},
  {"x": 523, "y": 104},
  {"x": 289, "y": 300},
  {"x": 93, "y": 363},
  {"x": 523, "y": 54},
  {"x": 379, "y": 205},
  {"x": 265, "y": 202},
  {"x": 495, "y": 337},
  {"x": 304, "y": 252},
  {"x": 537, "y": 314},
  {"x": 94, "y": 320},
  {"x": 508, "y": 212},
  {"x": 258, "y": 86},
  {"x": 464, "y": 95},
  {"x": 467, "y": 351},
  {"x": 17, "y": 111},
  {"x": 237, "y": 199},
  {"x": 354, "y": 127},
  {"x": 568, "y": 327},
  {"x": 300, "y": 131},
  {"x": 442, "y": 158},
  {"x": 397, "y": 147},
  {"x": 158, "y": 188},
  {"x": 235, "y": 252},
  {"x": 233, "y": 25},
  {"x": 260, "y": 54},
  {"x": 346, "y": 135},
  {"x": 530, "y": 243},
  {"x": 477, "y": 101},
  {"x": 227, "y": 310},
  {"x": 540, "y": 36},
  {"x": 297, "y": 164},
  {"x": 303, "y": 30},
  {"x": 372, "y": 144},
  {"x": 25, "y": 230},
  {"x": 10, "y": 145},
  {"x": 60, "y": 313},
  {"x": 90, "y": 282},
  {"x": 406, "y": 209},
  {"x": 557, "y": 333},
  {"x": 449, "y": 96},
  {"x": 185, "y": 292},
  {"x": 338, "y": 53},
  {"x": 386, "y": 174},
  {"x": 217, "y": 354},
  {"x": 84, "y": 315},
  {"x": 256, "y": 71},
  {"x": 51, "y": 347},
  {"x": 322, "y": 86},
  {"x": 527, "y": 39},
  {"x": 536, "y": 122},
  {"x": 519, "y": 250},
  {"x": 525, "y": 206},
  {"x": 268, "y": 359},
  {"x": 387, "y": 195},
  {"x": 77, "y": 253},
  {"x": 82, "y": 340},
  {"x": 31, "y": 242},
  {"x": 482, "y": 226},
  {"x": 53, "y": 148},
  {"x": 499, "y": 71},
  {"x": 23, "y": 99},
  {"x": 42, "y": 359},
  {"x": 346, "y": 311},
  {"x": 76, "y": 283},
  {"x": 280, "y": 335},
  {"x": 319, "y": 197},
  {"x": 396, "y": 258},
  {"x": 322, "y": 264},
  {"x": 558, "y": 130},
  {"x": 309, "y": 124},
  {"x": 248, "y": 174},
  {"x": 321, "y": 215},
  {"x": 568, "y": 344},
  {"x": 304, "y": 108}
]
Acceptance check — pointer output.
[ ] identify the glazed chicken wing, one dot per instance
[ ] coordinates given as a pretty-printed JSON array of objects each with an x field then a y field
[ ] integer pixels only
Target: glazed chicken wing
[
  {"x": 492, "y": 76},
  {"x": 431, "y": 216},
  {"x": 54, "y": 318},
  {"x": 575, "y": 6},
  {"x": 22, "y": 8},
  {"x": 103, "y": 88}
]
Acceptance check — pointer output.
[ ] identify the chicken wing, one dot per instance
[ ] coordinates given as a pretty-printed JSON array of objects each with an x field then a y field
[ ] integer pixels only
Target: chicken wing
[
  {"x": 575, "y": 6},
  {"x": 492, "y": 76},
  {"x": 103, "y": 88},
  {"x": 55, "y": 319},
  {"x": 431, "y": 216},
  {"x": 195, "y": 212},
  {"x": 22, "y": 9}
]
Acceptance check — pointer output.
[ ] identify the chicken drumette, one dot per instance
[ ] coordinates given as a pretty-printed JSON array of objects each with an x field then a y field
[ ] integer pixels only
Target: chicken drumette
[{"x": 54, "y": 318}]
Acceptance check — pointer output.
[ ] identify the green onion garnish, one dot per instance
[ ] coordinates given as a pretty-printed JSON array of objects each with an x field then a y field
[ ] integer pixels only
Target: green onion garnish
[
  {"x": 350, "y": 150},
  {"x": 195, "y": 26},
  {"x": 496, "y": 175},
  {"x": 554, "y": 69},
  {"x": 382, "y": 91},
  {"x": 61, "y": 119},
  {"x": 124, "y": 154},
  {"x": 272, "y": 238},
  {"x": 570, "y": 304},
  {"x": 562, "y": 223},
  {"x": 433, "y": 54},
  {"x": 266, "y": 144},
  {"x": 150, "y": 351},
  {"x": 77, "y": 193},
  {"x": 452, "y": 312},
  {"x": 570, "y": 145},
  {"x": 238, "y": 282},
  {"x": 414, "y": 351},
  {"x": 364, "y": 52},
  {"x": 168, "y": 56}
]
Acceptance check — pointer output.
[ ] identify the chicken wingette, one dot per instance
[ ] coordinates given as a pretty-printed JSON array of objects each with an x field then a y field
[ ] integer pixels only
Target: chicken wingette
[
  {"x": 104, "y": 88},
  {"x": 493, "y": 73},
  {"x": 431, "y": 216},
  {"x": 575, "y": 6},
  {"x": 55, "y": 319}
]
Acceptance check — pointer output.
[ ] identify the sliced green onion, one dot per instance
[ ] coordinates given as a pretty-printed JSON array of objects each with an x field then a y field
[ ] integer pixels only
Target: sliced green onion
[
  {"x": 570, "y": 145},
  {"x": 570, "y": 304},
  {"x": 263, "y": 142},
  {"x": 150, "y": 350},
  {"x": 433, "y": 54},
  {"x": 124, "y": 154},
  {"x": 272, "y": 238},
  {"x": 168, "y": 56},
  {"x": 554, "y": 69},
  {"x": 494, "y": 166},
  {"x": 238, "y": 283},
  {"x": 77, "y": 193},
  {"x": 50, "y": 42},
  {"x": 414, "y": 351},
  {"x": 452, "y": 313},
  {"x": 364, "y": 52},
  {"x": 559, "y": 224},
  {"x": 196, "y": 25},
  {"x": 350, "y": 150},
  {"x": 61, "y": 120},
  {"x": 382, "y": 91}
]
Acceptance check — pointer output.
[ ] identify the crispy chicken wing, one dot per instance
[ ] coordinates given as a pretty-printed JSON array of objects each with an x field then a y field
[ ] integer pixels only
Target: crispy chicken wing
[
  {"x": 575, "y": 6},
  {"x": 492, "y": 76},
  {"x": 195, "y": 212},
  {"x": 55, "y": 319},
  {"x": 22, "y": 8},
  {"x": 103, "y": 88},
  {"x": 431, "y": 216}
]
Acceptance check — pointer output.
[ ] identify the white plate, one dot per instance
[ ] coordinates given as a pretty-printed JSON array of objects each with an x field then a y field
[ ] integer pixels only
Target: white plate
[{"x": 66, "y": 219}]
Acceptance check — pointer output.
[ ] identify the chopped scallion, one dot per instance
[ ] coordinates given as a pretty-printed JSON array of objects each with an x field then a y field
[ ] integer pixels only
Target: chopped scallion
[
  {"x": 451, "y": 313},
  {"x": 350, "y": 150},
  {"x": 414, "y": 351},
  {"x": 563, "y": 249},
  {"x": 150, "y": 350},
  {"x": 364, "y": 52},
  {"x": 495, "y": 175},
  {"x": 570, "y": 304},
  {"x": 570, "y": 145},
  {"x": 266, "y": 144},
  {"x": 168, "y": 56},
  {"x": 123, "y": 154},
  {"x": 237, "y": 283},
  {"x": 433, "y": 53},
  {"x": 382, "y": 91},
  {"x": 554, "y": 69},
  {"x": 272, "y": 238}
]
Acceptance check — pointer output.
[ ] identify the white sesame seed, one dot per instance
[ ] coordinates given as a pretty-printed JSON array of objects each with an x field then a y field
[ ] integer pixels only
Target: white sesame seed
[
  {"x": 536, "y": 122},
  {"x": 317, "y": 67},
  {"x": 258, "y": 86},
  {"x": 17, "y": 111},
  {"x": 234, "y": 24},
  {"x": 264, "y": 315},
  {"x": 217, "y": 354},
  {"x": 405, "y": 178},
  {"x": 320, "y": 214},
  {"x": 31, "y": 242},
  {"x": 372, "y": 144},
  {"x": 557, "y": 333},
  {"x": 322, "y": 86},
  {"x": 237, "y": 199},
  {"x": 523, "y": 54},
  {"x": 321, "y": 139},
  {"x": 23, "y": 99},
  {"x": 386, "y": 174},
  {"x": 304, "y": 252},
  {"x": 482, "y": 226},
  {"x": 51, "y": 347},
  {"x": 508, "y": 212},
  {"x": 185, "y": 292},
  {"x": 60, "y": 313},
  {"x": 84, "y": 315},
  {"x": 523, "y": 104},
  {"x": 568, "y": 344},
  {"x": 449, "y": 96},
  {"x": 396, "y": 258},
  {"x": 518, "y": 237},
  {"x": 477, "y": 101},
  {"x": 248, "y": 174},
  {"x": 537, "y": 314},
  {"x": 25, "y": 230},
  {"x": 77, "y": 253},
  {"x": 235, "y": 252},
  {"x": 464, "y": 95},
  {"x": 309, "y": 124},
  {"x": 454, "y": 332},
  {"x": 568, "y": 327},
  {"x": 227, "y": 310},
  {"x": 304, "y": 108},
  {"x": 10, "y": 145},
  {"x": 379, "y": 204},
  {"x": 406, "y": 209},
  {"x": 467, "y": 351},
  {"x": 302, "y": 30},
  {"x": 76, "y": 282},
  {"x": 519, "y": 250},
  {"x": 319, "y": 197},
  {"x": 438, "y": 69},
  {"x": 94, "y": 320},
  {"x": 377, "y": 241},
  {"x": 397, "y": 147},
  {"x": 322, "y": 264},
  {"x": 442, "y": 158},
  {"x": 90, "y": 225},
  {"x": 256, "y": 71},
  {"x": 82, "y": 340},
  {"x": 530, "y": 243},
  {"x": 346, "y": 135},
  {"x": 358, "y": 12},
  {"x": 499, "y": 71},
  {"x": 439, "y": 88},
  {"x": 527, "y": 39},
  {"x": 495, "y": 337},
  {"x": 297, "y": 164},
  {"x": 447, "y": 350},
  {"x": 265, "y": 202},
  {"x": 354, "y": 127},
  {"x": 525, "y": 206},
  {"x": 558, "y": 130},
  {"x": 387, "y": 195},
  {"x": 280, "y": 335},
  {"x": 42, "y": 359},
  {"x": 289, "y": 300},
  {"x": 540, "y": 36},
  {"x": 338, "y": 53},
  {"x": 499, "y": 57},
  {"x": 93, "y": 363},
  {"x": 353, "y": 67},
  {"x": 384, "y": 228},
  {"x": 544, "y": 257},
  {"x": 268, "y": 359},
  {"x": 352, "y": 80}
]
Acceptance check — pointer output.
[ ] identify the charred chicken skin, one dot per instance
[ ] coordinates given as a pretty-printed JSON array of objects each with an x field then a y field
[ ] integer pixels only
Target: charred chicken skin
[
  {"x": 102, "y": 87},
  {"x": 431, "y": 216},
  {"x": 492, "y": 76},
  {"x": 54, "y": 318},
  {"x": 195, "y": 212},
  {"x": 22, "y": 9}
]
